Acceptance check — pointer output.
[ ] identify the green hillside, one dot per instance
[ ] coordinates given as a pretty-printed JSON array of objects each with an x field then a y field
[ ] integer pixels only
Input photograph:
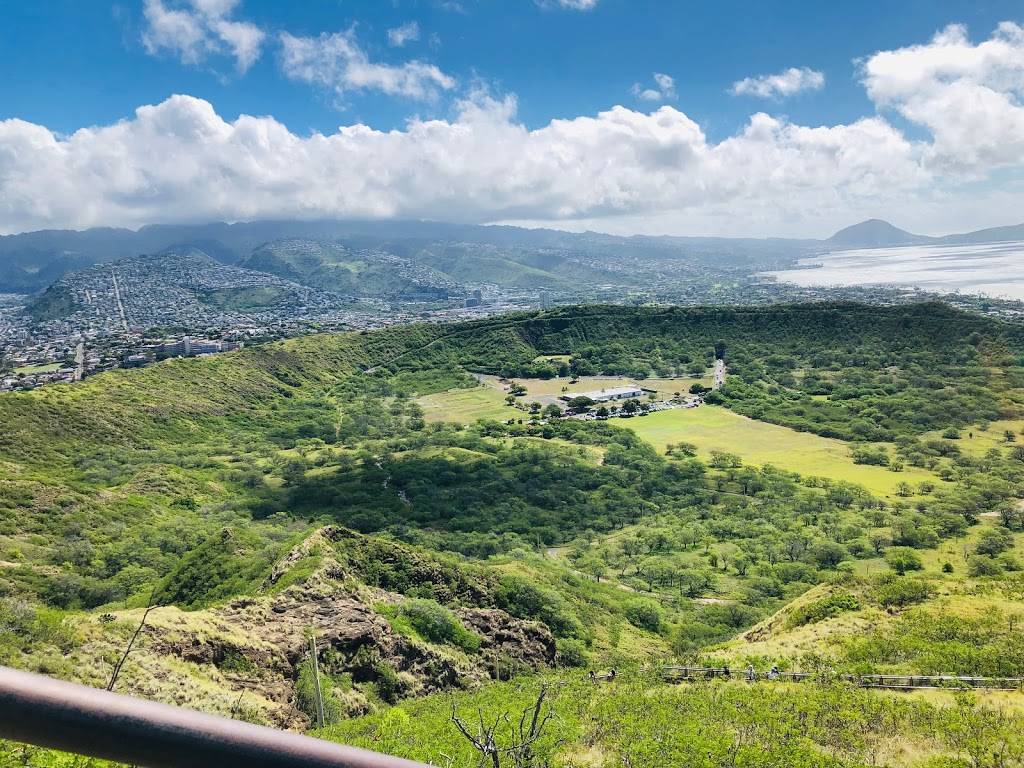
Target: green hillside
[
  {"x": 335, "y": 268},
  {"x": 474, "y": 264},
  {"x": 248, "y": 494}
]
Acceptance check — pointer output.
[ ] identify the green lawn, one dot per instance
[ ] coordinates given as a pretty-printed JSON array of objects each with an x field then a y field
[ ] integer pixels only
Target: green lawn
[
  {"x": 976, "y": 442},
  {"x": 467, "y": 405},
  {"x": 711, "y": 428},
  {"x": 28, "y": 370}
]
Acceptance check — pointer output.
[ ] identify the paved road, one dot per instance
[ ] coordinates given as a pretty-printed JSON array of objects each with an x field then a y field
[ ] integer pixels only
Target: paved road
[
  {"x": 120, "y": 304},
  {"x": 719, "y": 374},
  {"x": 80, "y": 361}
]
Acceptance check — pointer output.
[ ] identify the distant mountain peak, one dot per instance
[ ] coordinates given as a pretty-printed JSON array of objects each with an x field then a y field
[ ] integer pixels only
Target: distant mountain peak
[{"x": 874, "y": 233}]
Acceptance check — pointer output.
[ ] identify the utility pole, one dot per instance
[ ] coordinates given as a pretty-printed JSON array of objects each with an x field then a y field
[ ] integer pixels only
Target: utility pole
[{"x": 316, "y": 682}]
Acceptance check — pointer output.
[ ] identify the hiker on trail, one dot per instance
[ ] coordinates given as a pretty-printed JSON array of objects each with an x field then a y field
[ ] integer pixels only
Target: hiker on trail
[
  {"x": 773, "y": 673},
  {"x": 611, "y": 675},
  {"x": 725, "y": 671},
  {"x": 751, "y": 674},
  {"x": 593, "y": 677}
]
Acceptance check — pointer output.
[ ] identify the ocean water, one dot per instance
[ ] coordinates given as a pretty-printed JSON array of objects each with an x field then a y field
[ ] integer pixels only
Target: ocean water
[{"x": 991, "y": 269}]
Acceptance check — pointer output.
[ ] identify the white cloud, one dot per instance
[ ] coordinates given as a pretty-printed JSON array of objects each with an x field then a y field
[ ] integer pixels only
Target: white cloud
[
  {"x": 406, "y": 33},
  {"x": 337, "y": 62},
  {"x": 198, "y": 29},
  {"x": 180, "y": 161},
  {"x": 664, "y": 89},
  {"x": 785, "y": 83},
  {"x": 572, "y": 5},
  {"x": 968, "y": 96}
]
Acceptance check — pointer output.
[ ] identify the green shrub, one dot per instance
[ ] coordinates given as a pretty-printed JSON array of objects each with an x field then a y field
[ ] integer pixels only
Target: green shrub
[
  {"x": 571, "y": 653},
  {"x": 993, "y": 542},
  {"x": 387, "y": 682},
  {"x": 526, "y": 600},
  {"x": 433, "y": 622},
  {"x": 644, "y": 615},
  {"x": 900, "y": 591},
  {"x": 25, "y": 626},
  {"x": 933, "y": 642},
  {"x": 980, "y": 565},
  {"x": 903, "y": 559},
  {"x": 235, "y": 661},
  {"x": 826, "y": 608},
  {"x": 305, "y": 695}
]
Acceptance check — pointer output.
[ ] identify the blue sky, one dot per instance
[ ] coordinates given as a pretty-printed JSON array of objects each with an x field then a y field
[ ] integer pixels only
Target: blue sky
[
  {"x": 68, "y": 65},
  {"x": 73, "y": 63}
]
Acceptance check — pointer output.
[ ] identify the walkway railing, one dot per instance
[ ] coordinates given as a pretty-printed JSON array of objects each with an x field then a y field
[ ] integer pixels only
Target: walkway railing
[
  {"x": 74, "y": 718},
  {"x": 895, "y": 682}
]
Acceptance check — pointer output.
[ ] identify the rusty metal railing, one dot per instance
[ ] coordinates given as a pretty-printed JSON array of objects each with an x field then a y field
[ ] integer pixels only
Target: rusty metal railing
[
  {"x": 75, "y": 718},
  {"x": 903, "y": 682}
]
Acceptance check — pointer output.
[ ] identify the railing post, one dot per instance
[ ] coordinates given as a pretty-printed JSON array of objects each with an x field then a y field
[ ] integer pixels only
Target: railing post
[{"x": 316, "y": 682}]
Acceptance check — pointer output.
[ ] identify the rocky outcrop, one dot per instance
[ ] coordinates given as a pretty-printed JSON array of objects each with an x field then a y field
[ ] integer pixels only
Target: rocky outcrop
[
  {"x": 259, "y": 643},
  {"x": 509, "y": 644}
]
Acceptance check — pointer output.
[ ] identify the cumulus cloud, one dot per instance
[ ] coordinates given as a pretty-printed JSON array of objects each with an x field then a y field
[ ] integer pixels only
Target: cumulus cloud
[
  {"x": 337, "y": 62},
  {"x": 664, "y": 88},
  {"x": 180, "y": 161},
  {"x": 968, "y": 96},
  {"x": 198, "y": 29},
  {"x": 406, "y": 33},
  {"x": 785, "y": 83}
]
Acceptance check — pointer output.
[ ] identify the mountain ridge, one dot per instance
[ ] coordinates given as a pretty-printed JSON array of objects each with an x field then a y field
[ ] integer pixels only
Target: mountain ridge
[
  {"x": 31, "y": 261},
  {"x": 878, "y": 233}
]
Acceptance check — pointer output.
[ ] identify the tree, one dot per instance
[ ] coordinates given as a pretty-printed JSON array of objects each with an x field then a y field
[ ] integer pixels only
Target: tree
[
  {"x": 294, "y": 472},
  {"x": 552, "y": 411},
  {"x": 581, "y": 403},
  {"x": 524, "y": 748},
  {"x": 644, "y": 615},
  {"x": 723, "y": 460},
  {"x": 979, "y": 565},
  {"x": 592, "y": 565},
  {"x": 630, "y": 406},
  {"x": 829, "y": 554},
  {"x": 903, "y": 559},
  {"x": 695, "y": 582},
  {"x": 741, "y": 563},
  {"x": 994, "y": 542},
  {"x": 879, "y": 541}
]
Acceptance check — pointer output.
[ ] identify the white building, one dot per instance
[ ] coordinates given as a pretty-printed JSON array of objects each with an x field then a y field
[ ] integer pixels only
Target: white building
[{"x": 609, "y": 394}]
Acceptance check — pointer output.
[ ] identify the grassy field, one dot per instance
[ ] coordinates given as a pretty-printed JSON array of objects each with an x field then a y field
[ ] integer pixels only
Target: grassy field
[
  {"x": 709, "y": 428},
  {"x": 28, "y": 370},
  {"x": 976, "y": 442},
  {"x": 716, "y": 429},
  {"x": 467, "y": 405}
]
